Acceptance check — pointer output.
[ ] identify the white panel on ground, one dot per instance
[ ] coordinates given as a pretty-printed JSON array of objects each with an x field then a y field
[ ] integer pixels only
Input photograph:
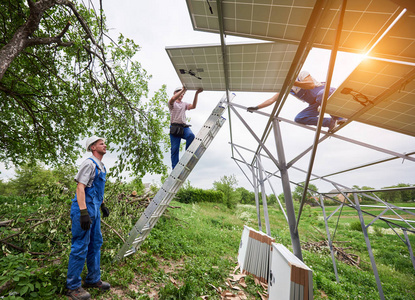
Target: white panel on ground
[
  {"x": 289, "y": 277},
  {"x": 254, "y": 253}
]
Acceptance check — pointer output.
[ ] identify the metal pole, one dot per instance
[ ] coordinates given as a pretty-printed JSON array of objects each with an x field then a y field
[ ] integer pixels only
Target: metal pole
[
  {"x": 264, "y": 196},
  {"x": 279, "y": 202},
  {"x": 295, "y": 239},
  {"x": 224, "y": 61},
  {"x": 323, "y": 105},
  {"x": 329, "y": 239},
  {"x": 408, "y": 244},
  {"x": 258, "y": 210},
  {"x": 369, "y": 247}
]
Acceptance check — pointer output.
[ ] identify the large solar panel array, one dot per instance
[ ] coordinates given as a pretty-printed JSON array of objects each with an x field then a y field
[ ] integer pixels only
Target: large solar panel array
[
  {"x": 252, "y": 67},
  {"x": 387, "y": 83},
  {"x": 273, "y": 20},
  {"x": 255, "y": 19}
]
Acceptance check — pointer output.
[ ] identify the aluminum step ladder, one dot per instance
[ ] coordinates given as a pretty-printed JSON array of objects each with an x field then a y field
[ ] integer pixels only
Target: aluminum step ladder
[{"x": 175, "y": 180}]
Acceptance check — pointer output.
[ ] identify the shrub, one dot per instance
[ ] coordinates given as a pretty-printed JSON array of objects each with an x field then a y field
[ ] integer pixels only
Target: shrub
[
  {"x": 356, "y": 226},
  {"x": 194, "y": 195}
]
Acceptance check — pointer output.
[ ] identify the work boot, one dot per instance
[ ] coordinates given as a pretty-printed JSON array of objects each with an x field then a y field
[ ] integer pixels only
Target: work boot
[
  {"x": 78, "y": 294},
  {"x": 102, "y": 285},
  {"x": 333, "y": 123},
  {"x": 341, "y": 121}
]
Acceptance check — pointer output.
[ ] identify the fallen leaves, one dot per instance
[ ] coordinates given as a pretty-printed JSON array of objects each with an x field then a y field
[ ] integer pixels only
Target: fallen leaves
[{"x": 236, "y": 283}]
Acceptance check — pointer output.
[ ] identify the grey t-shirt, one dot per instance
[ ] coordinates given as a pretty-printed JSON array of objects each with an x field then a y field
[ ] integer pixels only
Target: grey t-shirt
[
  {"x": 86, "y": 173},
  {"x": 178, "y": 112}
]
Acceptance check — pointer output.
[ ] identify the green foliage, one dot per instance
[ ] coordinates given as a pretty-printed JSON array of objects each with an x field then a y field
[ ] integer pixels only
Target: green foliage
[
  {"x": 226, "y": 185},
  {"x": 245, "y": 196},
  {"x": 390, "y": 196},
  {"x": 299, "y": 190},
  {"x": 25, "y": 277},
  {"x": 195, "y": 245},
  {"x": 7, "y": 188},
  {"x": 272, "y": 199},
  {"x": 398, "y": 196},
  {"x": 34, "y": 180},
  {"x": 52, "y": 95},
  {"x": 356, "y": 226},
  {"x": 194, "y": 195}
]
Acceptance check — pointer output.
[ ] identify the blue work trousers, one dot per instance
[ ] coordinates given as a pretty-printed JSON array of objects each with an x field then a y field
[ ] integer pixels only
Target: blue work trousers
[
  {"x": 86, "y": 245},
  {"x": 175, "y": 144},
  {"x": 309, "y": 115}
]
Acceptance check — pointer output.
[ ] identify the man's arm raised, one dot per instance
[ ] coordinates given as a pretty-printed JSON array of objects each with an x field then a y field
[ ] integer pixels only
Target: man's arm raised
[{"x": 194, "y": 104}]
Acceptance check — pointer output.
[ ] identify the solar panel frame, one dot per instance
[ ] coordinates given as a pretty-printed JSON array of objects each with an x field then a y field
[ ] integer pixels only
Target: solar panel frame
[
  {"x": 399, "y": 42},
  {"x": 260, "y": 67},
  {"x": 389, "y": 85},
  {"x": 286, "y": 21}
]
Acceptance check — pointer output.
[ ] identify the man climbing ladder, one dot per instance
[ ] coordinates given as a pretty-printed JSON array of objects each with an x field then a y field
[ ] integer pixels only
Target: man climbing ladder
[{"x": 175, "y": 180}]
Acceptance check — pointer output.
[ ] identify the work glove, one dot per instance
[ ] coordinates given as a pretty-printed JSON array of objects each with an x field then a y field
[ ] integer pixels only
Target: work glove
[
  {"x": 105, "y": 211},
  {"x": 85, "y": 219},
  {"x": 252, "y": 108}
]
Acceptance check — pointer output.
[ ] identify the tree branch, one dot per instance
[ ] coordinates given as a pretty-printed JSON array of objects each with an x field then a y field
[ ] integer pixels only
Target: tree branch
[
  {"x": 16, "y": 45},
  {"x": 51, "y": 40}
]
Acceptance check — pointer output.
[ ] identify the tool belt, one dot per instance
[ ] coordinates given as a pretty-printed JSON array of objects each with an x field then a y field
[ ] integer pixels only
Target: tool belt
[{"x": 177, "y": 129}]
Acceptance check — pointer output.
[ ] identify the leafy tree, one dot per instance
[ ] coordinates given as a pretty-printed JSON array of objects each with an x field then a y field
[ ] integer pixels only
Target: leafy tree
[
  {"x": 65, "y": 174},
  {"x": 59, "y": 83},
  {"x": 226, "y": 185},
  {"x": 272, "y": 199},
  {"x": 363, "y": 188},
  {"x": 32, "y": 179},
  {"x": 245, "y": 196},
  {"x": 397, "y": 196},
  {"x": 298, "y": 193},
  {"x": 7, "y": 188}
]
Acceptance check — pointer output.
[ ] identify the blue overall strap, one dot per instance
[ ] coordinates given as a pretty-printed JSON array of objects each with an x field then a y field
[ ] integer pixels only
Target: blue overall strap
[{"x": 97, "y": 170}]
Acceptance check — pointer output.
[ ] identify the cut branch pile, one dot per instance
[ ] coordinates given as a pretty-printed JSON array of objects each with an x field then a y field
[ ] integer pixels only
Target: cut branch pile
[
  {"x": 340, "y": 253},
  {"x": 140, "y": 200},
  {"x": 18, "y": 232}
]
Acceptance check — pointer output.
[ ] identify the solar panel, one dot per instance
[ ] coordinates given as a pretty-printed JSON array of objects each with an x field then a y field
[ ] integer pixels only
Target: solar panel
[
  {"x": 379, "y": 80},
  {"x": 252, "y": 67},
  {"x": 363, "y": 24},
  {"x": 265, "y": 19},
  {"x": 399, "y": 42},
  {"x": 388, "y": 85},
  {"x": 278, "y": 20}
]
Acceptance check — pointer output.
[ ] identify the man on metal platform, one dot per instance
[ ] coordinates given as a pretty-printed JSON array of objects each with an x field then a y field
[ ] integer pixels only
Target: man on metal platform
[
  {"x": 178, "y": 128},
  {"x": 310, "y": 90}
]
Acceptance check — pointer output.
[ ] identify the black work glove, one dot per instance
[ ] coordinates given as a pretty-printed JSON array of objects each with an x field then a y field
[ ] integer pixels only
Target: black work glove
[
  {"x": 252, "y": 108},
  {"x": 105, "y": 211},
  {"x": 85, "y": 219}
]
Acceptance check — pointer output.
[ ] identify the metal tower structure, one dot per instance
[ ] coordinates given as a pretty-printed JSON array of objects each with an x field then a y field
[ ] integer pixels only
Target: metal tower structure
[{"x": 379, "y": 92}]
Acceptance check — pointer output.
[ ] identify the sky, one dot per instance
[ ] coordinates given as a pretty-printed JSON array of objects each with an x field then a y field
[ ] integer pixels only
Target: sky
[{"x": 155, "y": 25}]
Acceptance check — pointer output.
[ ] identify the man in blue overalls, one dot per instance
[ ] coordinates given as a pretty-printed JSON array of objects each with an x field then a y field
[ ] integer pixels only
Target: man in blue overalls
[
  {"x": 310, "y": 90},
  {"x": 86, "y": 222}
]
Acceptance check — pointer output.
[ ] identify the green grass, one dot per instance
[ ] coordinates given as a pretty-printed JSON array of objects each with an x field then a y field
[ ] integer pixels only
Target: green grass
[{"x": 194, "y": 247}]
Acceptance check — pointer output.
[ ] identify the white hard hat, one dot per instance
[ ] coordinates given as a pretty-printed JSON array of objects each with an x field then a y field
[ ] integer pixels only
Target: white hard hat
[
  {"x": 179, "y": 88},
  {"x": 92, "y": 140}
]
